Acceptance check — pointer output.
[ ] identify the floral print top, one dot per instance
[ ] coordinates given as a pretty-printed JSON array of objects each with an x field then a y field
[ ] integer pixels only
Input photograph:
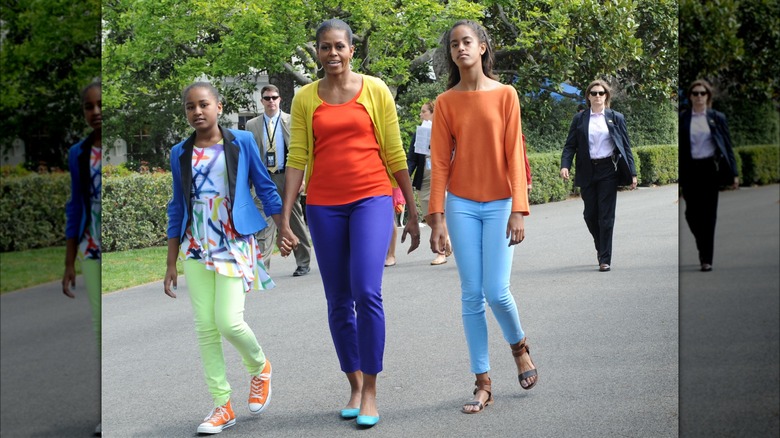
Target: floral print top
[
  {"x": 89, "y": 245},
  {"x": 211, "y": 238}
]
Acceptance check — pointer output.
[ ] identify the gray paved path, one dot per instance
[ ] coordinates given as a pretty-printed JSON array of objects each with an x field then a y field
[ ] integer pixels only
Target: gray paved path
[
  {"x": 605, "y": 344},
  {"x": 730, "y": 321},
  {"x": 49, "y": 367}
]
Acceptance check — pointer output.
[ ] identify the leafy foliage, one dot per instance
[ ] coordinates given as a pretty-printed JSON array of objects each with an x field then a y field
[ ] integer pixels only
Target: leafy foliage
[
  {"x": 659, "y": 164},
  {"x": 750, "y": 122},
  {"x": 135, "y": 211},
  {"x": 547, "y": 185},
  {"x": 733, "y": 44},
  {"x": 32, "y": 211},
  {"x": 152, "y": 49},
  {"x": 759, "y": 164},
  {"x": 648, "y": 123},
  {"x": 50, "y": 50}
]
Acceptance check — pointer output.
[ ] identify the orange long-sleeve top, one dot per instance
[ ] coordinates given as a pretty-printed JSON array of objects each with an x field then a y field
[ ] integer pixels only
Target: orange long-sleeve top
[
  {"x": 349, "y": 164},
  {"x": 476, "y": 151}
]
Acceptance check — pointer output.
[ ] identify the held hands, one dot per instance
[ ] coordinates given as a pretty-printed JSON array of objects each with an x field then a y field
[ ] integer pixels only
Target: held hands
[
  {"x": 69, "y": 281},
  {"x": 515, "y": 228},
  {"x": 286, "y": 241},
  {"x": 171, "y": 276}
]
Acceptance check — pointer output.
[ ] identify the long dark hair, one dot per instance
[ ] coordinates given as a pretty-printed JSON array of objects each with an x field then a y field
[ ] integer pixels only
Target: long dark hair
[{"x": 487, "y": 57}]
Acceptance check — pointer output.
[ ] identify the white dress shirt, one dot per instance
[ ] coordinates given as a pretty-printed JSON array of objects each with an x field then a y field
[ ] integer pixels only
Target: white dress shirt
[
  {"x": 702, "y": 145},
  {"x": 599, "y": 141}
]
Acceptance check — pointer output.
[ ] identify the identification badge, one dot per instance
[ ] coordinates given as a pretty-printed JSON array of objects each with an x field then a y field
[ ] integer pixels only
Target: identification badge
[{"x": 270, "y": 160}]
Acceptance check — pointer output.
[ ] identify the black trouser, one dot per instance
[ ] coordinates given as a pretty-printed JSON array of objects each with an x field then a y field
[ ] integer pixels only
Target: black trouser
[
  {"x": 701, "y": 206},
  {"x": 600, "y": 198}
]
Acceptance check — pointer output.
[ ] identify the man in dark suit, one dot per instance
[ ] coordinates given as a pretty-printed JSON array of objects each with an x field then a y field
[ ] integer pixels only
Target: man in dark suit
[
  {"x": 272, "y": 134},
  {"x": 599, "y": 138}
]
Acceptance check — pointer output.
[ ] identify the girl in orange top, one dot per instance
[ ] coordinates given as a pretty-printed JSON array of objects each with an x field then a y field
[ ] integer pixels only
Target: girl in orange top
[
  {"x": 477, "y": 156},
  {"x": 345, "y": 136}
]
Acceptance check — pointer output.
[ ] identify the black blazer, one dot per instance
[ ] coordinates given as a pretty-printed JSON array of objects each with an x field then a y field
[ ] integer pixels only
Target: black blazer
[
  {"x": 577, "y": 143},
  {"x": 719, "y": 129}
]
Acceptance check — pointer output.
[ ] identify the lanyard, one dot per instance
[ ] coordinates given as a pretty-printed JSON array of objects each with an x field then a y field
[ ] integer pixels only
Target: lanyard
[{"x": 271, "y": 135}]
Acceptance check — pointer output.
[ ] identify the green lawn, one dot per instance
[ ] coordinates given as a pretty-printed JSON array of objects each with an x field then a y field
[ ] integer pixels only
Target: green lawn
[
  {"x": 21, "y": 269},
  {"x": 134, "y": 267}
]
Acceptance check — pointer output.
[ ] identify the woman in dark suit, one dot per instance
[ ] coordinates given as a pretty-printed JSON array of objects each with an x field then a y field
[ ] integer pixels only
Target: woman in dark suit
[
  {"x": 706, "y": 163},
  {"x": 599, "y": 139}
]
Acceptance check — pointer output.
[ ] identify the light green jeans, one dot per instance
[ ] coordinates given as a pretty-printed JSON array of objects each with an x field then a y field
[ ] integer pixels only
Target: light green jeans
[
  {"x": 91, "y": 273},
  {"x": 218, "y": 307}
]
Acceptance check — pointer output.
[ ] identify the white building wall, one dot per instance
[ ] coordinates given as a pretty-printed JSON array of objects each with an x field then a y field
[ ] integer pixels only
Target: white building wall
[{"x": 13, "y": 155}]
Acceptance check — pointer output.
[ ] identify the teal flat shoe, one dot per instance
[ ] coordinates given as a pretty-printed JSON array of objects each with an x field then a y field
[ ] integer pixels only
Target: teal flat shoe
[
  {"x": 350, "y": 413},
  {"x": 367, "y": 420}
]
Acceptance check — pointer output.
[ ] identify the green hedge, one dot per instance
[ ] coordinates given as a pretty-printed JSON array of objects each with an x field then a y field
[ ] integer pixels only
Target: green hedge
[
  {"x": 32, "y": 207},
  {"x": 32, "y": 211},
  {"x": 750, "y": 122},
  {"x": 654, "y": 165},
  {"x": 546, "y": 121},
  {"x": 548, "y": 186},
  {"x": 135, "y": 211},
  {"x": 659, "y": 164},
  {"x": 648, "y": 122},
  {"x": 758, "y": 164}
]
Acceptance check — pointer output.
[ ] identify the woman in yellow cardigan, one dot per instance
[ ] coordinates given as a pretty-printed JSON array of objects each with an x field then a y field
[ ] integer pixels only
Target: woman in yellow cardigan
[{"x": 345, "y": 135}]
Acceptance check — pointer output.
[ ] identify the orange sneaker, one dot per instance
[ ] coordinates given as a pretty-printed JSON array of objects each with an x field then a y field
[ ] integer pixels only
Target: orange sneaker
[
  {"x": 260, "y": 390},
  {"x": 219, "y": 418}
]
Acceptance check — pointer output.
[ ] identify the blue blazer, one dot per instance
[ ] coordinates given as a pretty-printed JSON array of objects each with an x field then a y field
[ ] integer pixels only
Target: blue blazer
[
  {"x": 242, "y": 161},
  {"x": 79, "y": 206},
  {"x": 719, "y": 129},
  {"x": 578, "y": 143}
]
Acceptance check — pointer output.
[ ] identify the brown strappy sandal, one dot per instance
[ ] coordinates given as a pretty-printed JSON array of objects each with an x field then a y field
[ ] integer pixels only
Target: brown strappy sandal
[
  {"x": 479, "y": 387},
  {"x": 518, "y": 350}
]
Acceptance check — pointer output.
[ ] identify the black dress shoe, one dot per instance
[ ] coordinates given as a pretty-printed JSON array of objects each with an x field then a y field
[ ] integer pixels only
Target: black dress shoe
[
  {"x": 604, "y": 267},
  {"x": 302, "y": 270},
  {"x": 706, "y": 267}
]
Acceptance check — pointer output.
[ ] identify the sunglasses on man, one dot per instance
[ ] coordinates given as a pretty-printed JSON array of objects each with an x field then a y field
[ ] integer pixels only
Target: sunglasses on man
[{"x": 270, "y": 98}]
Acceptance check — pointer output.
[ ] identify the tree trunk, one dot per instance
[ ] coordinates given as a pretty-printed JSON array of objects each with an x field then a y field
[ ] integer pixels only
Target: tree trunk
[{"x": 286, "y": 84}]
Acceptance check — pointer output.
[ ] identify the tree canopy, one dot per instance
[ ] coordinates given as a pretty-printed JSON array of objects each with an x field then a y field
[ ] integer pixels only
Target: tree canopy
[
  {"x": 733, "y": 44},
  {"x": 153, "y": 48},
  {"x": 49, "y": 51}
]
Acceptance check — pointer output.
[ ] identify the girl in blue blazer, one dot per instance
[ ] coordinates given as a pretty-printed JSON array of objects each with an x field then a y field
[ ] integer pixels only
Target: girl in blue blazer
[
  {"x": 212, "y": 219},
  {"x": 82, "y": 226}
]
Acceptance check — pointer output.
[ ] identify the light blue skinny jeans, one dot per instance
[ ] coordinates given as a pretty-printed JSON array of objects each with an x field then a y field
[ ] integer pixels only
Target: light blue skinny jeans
[{"x": 484, "y": 258}]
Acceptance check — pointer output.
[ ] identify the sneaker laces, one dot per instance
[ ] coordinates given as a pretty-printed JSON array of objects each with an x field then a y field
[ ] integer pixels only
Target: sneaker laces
[
  {"x": 257, "y": 385},
  {"x": 217, "y": 414}
]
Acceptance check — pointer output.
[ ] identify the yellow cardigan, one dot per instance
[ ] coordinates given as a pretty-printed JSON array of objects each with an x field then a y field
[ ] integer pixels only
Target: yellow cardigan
[{"x": 379, "y": 104}]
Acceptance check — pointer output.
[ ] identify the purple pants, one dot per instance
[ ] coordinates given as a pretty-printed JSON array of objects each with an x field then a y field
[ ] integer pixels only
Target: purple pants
[{"x": 350, "y": 242}]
